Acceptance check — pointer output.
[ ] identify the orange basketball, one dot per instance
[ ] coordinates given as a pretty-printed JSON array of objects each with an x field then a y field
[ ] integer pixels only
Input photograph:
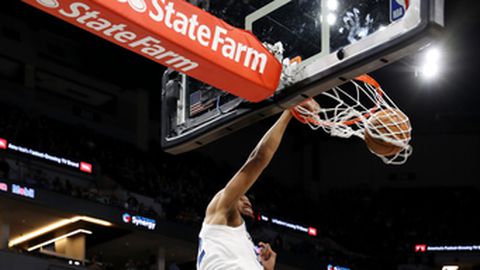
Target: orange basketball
[{"x": 390, "y": 123}]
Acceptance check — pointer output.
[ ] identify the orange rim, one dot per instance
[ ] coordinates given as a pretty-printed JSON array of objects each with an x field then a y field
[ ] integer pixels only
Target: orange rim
[
  {"x": 298, "y": 116},
  {"x": 363, "y": 78},
  {"x": 297, "y": 60}
]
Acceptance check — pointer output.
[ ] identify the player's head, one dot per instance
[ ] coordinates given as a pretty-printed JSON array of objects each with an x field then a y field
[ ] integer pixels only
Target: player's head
[{"x": 245, "y": 207}]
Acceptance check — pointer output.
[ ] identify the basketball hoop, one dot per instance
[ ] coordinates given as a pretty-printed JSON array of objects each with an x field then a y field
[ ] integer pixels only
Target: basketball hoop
[{"x": 361, "y": 108}]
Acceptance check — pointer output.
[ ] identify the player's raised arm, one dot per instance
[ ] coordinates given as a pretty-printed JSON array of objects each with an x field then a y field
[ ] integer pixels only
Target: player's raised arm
[{"x": 255, "y": 164}]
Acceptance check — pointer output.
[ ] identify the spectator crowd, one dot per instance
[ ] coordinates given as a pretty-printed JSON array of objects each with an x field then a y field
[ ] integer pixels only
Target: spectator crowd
[{"x": 355, "y": 224}]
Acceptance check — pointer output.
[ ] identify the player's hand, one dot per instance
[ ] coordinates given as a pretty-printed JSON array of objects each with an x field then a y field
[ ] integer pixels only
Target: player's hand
[
  {"x": 306, "y": 111},
  {"x": 310, "y": 105},
  {"x": 267, "y": 256}
]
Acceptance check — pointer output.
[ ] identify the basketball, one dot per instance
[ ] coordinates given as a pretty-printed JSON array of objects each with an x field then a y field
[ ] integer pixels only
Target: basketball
[{"x": 391, "y": 124}]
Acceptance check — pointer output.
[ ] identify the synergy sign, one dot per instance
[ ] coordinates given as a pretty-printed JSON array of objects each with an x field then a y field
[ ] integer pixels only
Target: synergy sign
[
  {"x": 82, "y": 166},
  {"x": 139, "y": 221},
  {"x": 179, "y": 35}
]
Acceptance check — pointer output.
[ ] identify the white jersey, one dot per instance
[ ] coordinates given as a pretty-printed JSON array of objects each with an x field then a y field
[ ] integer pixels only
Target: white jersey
[{"x": 222, "y": 247}]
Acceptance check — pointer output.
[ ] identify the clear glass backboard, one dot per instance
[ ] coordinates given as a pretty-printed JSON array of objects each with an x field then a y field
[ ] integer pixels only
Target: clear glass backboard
[{"x": 336, "y": 41}]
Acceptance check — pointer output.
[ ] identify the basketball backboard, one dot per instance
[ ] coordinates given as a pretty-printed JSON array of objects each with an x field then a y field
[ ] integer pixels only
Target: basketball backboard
[{"x": 336, "y": 40}]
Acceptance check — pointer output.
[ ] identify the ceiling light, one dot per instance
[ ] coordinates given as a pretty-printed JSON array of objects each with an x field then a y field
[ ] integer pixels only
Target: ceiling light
[
  {"x": 331, "y": 18},
  {"x": 54, "y": 226},
  {"x": 51, "y": 241},
  {"x": 431, "y": 65},
  {"x": 332, "y": 5}
]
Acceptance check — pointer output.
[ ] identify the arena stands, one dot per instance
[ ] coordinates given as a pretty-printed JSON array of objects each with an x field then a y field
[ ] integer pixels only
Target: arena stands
[{"x": 355, "y": 225}]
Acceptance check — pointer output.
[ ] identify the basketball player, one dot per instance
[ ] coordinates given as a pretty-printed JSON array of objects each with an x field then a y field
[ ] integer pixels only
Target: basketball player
[{"x": 224, "y": 241}]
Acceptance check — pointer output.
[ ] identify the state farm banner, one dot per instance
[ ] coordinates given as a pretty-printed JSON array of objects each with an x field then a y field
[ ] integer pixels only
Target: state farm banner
[{"x": 179, "y": 35}]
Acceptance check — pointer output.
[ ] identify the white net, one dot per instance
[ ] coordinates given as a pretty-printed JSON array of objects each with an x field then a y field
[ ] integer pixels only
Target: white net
[
  {"x": 362, "y": 109},
  {"x": 359, "y": 108}
]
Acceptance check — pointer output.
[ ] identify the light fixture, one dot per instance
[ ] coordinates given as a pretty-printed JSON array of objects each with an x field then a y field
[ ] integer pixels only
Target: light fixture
[
  {"x": 51, "y": 241},
  {"x": 332, "y": 5},
  {"x": 431, "y": 65},
  {"x": 331, "y": 18},
  {"x": 55, "y": 226},
  {"x": 450, "y": 267},
  {"x": 93, "y": 220}
]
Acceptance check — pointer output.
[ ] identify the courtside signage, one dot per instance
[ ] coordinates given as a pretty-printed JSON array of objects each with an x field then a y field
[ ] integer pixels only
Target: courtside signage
[
  {"x": 420, "y": 248},
  {"x": 296, "y": 227},
  {"x": 23, "y": 191},
  {"x": 292, "y": 226},
  {"x": 3, "y": 187},
  {"x": 331, "y": 267},
  {"x": 82, "y": 166},
  {"x": 19, "y": 190},
  {"x": 179, "y": 35},
  {"x": 428, "y": 248},
  {"x": 3, "y": 144}
]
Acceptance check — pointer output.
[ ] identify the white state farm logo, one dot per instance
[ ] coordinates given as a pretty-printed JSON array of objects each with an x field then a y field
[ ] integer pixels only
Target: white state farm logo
[
  {"x": 211, "y": 35},
  {"x": 137, "y": 5},
  {"x": 49, "y": 3}
]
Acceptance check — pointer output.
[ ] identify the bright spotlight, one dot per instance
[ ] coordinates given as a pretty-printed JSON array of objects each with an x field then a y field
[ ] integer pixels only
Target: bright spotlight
[
  {"x": 332, "y": 5},
  {"x": 331, "y": 19},
  {"x": 431, "y": 65},
  {"x": 433, "y": 55},
  {"x": 430, "y": 70}
]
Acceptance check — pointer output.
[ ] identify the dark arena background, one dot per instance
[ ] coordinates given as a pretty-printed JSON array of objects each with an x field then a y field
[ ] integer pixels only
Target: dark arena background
[{"x": 85, "y": 184}]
